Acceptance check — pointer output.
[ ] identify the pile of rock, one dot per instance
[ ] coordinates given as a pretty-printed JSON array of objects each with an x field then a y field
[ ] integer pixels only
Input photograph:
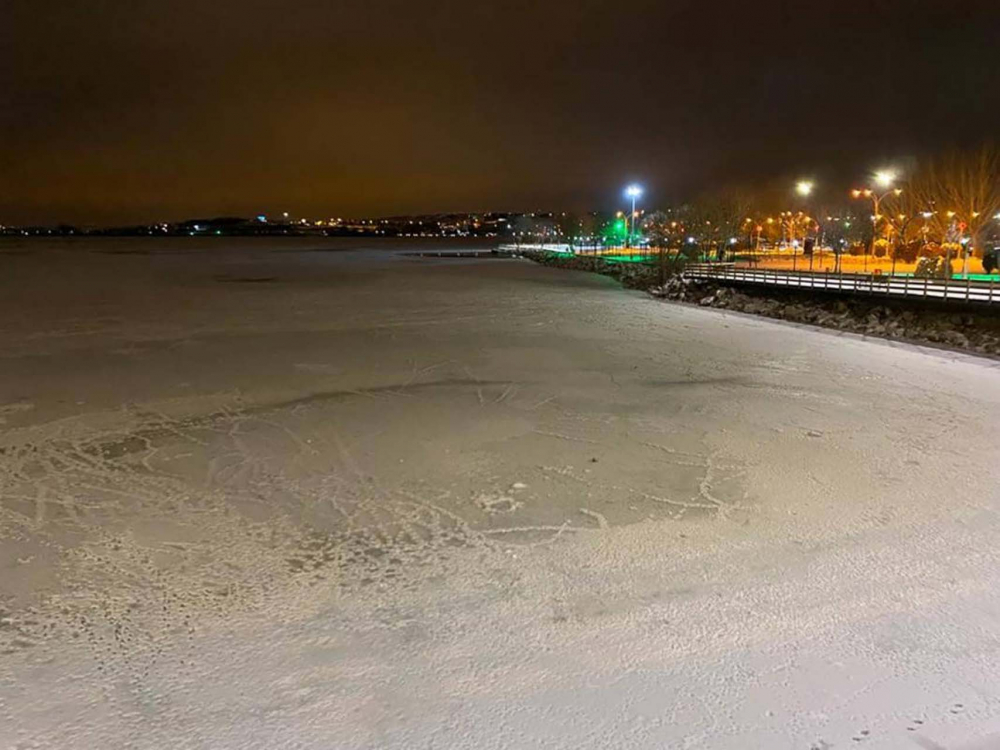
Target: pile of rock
[
  {"x": 683, "y": 289},
  {"x": 631, "y": 275},
  {"x": 971, "y": 329},
  {"x": 636, "y": 275}
]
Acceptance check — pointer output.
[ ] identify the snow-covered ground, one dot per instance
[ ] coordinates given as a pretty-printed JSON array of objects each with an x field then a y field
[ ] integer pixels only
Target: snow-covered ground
[{"x": 259, "y": 494}]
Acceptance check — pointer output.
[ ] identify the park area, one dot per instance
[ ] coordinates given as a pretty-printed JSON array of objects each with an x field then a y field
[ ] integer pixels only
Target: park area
[
  {"x": 822, "y": 260},
  {"x": 826, "y": 261}
]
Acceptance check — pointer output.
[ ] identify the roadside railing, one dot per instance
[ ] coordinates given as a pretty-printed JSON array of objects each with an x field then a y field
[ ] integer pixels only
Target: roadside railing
[{"x": 951, "y": 290}]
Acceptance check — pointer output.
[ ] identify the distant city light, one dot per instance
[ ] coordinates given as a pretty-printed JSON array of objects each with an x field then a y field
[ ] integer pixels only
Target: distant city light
[
  {"x": 804, "y": 187},
  {"x": 633, "y": 191},
  {"x": 261, "y": 218}
]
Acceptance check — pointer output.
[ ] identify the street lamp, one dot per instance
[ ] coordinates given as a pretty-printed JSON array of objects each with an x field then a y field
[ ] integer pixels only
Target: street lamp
[
  {"x": 805, "y": 188},
  {"x": 633, "y": 192},
  {"x": 925, "y": 229},
  {"x": 883, "y": 178}
]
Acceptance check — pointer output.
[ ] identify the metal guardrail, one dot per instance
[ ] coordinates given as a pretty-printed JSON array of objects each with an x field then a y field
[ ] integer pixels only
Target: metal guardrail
[{"x": 951, "y": 290}]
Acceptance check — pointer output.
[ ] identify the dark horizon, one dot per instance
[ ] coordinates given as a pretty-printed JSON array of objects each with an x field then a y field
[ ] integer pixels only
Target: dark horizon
[{"x": 142, "y": 114}]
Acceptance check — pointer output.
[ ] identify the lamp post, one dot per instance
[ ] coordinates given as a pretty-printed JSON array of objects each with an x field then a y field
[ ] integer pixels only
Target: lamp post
[
  {"x": 883, "y": 178},
  {"x": 633, "y": 192},
  {"x": 900, "y": 233},
  {"x": 925, "y": 229},
  {"x": 804, "y": 188}
]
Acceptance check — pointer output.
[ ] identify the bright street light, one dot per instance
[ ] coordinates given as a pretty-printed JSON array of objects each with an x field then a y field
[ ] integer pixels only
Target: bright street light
[
  {"x": 632, "y": 191},
  {"x": 885, "y": 177},
  {"x": 804, "y": 188}
]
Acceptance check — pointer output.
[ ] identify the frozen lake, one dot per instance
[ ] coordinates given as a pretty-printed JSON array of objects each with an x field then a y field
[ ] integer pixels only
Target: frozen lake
[{"x": 299, "y": 494}]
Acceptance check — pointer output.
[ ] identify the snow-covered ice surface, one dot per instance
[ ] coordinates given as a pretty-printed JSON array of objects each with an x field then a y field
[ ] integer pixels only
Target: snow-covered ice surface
[{"x": 254, "y": 494}]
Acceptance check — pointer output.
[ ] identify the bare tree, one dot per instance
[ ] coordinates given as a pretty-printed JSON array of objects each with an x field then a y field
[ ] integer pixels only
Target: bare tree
[
  {"x": 592, "y": 228},
  {"x": 660, "y": 229},
  {"x": 568, "y": 225},
  {"x": 656, "y": 227},
  {"x": 717, "y": 219},
  {"x": 962, "y": 193}
]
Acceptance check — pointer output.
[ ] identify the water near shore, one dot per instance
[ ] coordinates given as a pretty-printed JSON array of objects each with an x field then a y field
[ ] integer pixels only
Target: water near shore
[{"x": 306, "y": 493}]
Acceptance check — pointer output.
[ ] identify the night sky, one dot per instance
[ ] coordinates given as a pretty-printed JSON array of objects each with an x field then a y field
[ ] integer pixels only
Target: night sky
[{"x": 140, "y": 110}]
